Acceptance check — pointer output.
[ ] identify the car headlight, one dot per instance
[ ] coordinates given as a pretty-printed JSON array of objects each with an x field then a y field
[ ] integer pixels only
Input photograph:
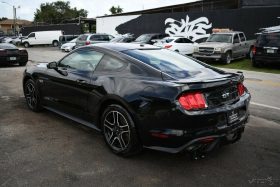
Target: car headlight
[{"x": 218, "y": 49}]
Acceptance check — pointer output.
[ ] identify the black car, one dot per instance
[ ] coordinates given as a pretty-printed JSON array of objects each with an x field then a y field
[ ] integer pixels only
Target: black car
[
  {"x": 10, "y": 54},
  {"x": 266, "y": 49},
  {"x": 142, "y": 96},
  {"x": 150, "y": 38}
]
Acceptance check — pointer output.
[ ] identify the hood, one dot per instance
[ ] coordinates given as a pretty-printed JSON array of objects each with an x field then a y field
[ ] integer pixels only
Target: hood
[
  {"x": 68, "y": 44},
  {"x": 214, "y": 44}
]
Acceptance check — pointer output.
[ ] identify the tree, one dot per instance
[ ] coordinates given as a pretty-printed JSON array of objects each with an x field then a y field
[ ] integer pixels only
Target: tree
[
  {"x": 116, "y": 10},
  {"x": 3, "y": 18},
  {"x": 57, "y": 12}
]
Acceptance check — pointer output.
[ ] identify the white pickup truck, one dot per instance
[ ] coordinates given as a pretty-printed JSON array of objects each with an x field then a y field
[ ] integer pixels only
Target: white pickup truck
[{"x": 225, "y": 47}]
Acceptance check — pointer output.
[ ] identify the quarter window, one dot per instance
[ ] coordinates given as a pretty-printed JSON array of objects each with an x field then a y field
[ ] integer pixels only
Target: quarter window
[
  {"x": 111, "y": 64},
  {"x": 84, "y": 60}
]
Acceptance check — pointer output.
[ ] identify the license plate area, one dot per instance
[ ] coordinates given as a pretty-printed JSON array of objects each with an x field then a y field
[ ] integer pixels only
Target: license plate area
[
  {"x": 13, "y": 58},
  {"x": 233, "y": 116},
  {"x": 270, "y": 51}
]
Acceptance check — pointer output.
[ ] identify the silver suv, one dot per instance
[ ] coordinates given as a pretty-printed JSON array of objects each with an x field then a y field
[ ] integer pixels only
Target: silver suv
[{"x": 87, "y": 39}]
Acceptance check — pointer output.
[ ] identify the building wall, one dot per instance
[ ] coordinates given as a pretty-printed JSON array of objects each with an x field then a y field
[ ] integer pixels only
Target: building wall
[{"x": 195, "y": 25}]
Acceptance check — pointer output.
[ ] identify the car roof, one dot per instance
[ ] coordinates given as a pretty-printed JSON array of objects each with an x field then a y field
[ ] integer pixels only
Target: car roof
[
  {"x": 7, "y": 46},
  {"x": 124, "y": 46}
]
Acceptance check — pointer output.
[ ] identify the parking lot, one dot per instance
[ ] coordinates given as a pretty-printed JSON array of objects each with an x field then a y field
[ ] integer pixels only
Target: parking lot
[{"x": 44, "y": 149}]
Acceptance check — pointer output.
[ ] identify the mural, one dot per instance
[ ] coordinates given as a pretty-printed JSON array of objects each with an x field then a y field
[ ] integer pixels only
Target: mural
[{"x": 194, "y": 30}]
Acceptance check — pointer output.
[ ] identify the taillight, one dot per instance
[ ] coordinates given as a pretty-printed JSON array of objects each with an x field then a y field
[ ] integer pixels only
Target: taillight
[
  {"x": 254, "y": 50},
  {"x": 241, "y": 89},
  {"x": 167, "y": 46},
  {"x": 192, "y": 101},
  {"x": 3, "y": 52},
  {"x": 87, "y": 42}
]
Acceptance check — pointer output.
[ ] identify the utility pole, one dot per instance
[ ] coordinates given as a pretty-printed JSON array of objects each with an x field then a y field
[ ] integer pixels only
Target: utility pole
[{"x": 14, "y": 15}]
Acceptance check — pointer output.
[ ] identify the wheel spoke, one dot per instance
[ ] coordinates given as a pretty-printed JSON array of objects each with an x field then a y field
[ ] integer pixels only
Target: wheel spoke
[
  {"x": 107, "y": 126},
  {"x": 121, "y": 143}
]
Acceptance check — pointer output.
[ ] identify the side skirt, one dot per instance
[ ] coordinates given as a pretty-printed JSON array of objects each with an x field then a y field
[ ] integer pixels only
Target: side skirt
[{"x": 78, "y": 120}]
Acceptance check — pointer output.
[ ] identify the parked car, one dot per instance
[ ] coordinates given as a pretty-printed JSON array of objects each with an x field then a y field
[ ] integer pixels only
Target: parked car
[
  {"x": 142, "y": 96},
  {"x": 67, "y": 47},
  {"x": 65, "y": 39},
  {"x": 87, "y": 39},
  {"x": 123, "y": 39},
  {"x": 42, "y": 38},
  {"x": 177, "y": 43},
  {"x": 149, "y": 38},
  {"x": 225, "y": 47},
  {"x": 266, "y": 49},
  {"x": 10, "y": 54}
]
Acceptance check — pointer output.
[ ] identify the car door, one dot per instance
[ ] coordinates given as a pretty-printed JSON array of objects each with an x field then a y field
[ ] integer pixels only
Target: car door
[
  {"x": 244, "y": 46},
  {"x": 236, "y": 49},
  {"x": 67, "y": 87},
  {"x": 188, "y": 46},
  {"x": 32, "y": 38}
]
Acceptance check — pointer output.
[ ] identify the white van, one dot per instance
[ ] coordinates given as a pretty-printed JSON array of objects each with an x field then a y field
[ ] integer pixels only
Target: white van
[{"x": 42, "y": 37}]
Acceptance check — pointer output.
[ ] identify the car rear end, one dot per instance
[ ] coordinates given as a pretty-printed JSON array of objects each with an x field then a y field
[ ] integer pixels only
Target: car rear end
[
  {"x": 82, "y": 40},
  {"x": 11, "y": 55},
  {"x": 197, "y": 106},
  {"x": 267, "y": 49}
]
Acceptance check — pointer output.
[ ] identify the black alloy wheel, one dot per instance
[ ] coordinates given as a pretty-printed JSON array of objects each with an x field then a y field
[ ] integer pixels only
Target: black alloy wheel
[
  {"x": 119, "y": 131},
  {"x": 32, "y": 96}
]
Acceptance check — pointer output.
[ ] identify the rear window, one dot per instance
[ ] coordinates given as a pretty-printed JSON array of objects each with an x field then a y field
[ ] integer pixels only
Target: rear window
[
  {"x": 167, "y": 61},
  {"x": 83, "y": 37},
  {"x": 270, "y": 40}
]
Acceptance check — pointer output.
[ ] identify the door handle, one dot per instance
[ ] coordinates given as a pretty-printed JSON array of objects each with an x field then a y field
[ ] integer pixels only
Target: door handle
[{"x": 80, "y": 81}]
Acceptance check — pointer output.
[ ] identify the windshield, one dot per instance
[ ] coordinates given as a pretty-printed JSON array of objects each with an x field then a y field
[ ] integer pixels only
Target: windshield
[
  {"x": 170, "y": 62},
  {"x": 224, "y": 38},
  {"x": 270, "y": 40},
  {"x": 143, "y": 38}
]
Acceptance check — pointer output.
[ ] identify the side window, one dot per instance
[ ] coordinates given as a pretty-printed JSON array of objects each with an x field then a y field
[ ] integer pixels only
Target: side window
[
  {"x": 187, "y": 40},
  {"x": 236, "y": 39},
  {"x": 95, "y": 38},
  {"x": 111, "y": 64},
  {"x": 242, "y": 37},
  {"x": 84, "y": 60},
  {"x": 179, "y": 40},
  {"x": 32, "y": 35}
]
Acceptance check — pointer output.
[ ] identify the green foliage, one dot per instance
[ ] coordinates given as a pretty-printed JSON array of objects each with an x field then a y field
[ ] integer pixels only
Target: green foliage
[
  {"x": 57, "y": 12},
  {"x": 3, "y": 18},
  {"x": 246, "y": 64},
  {"x": 116, "y": 10}
]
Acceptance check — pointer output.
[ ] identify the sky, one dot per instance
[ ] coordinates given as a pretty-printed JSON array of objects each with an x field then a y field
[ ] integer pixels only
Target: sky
[{"x": 94, "y": 7}]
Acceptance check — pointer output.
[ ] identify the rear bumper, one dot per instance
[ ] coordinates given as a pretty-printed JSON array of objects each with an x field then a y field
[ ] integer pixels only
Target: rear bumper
[
  {"x": 267, "y": 59},
  {"x": 19, "y": 59},
  {"x": 179, "y": 131}
]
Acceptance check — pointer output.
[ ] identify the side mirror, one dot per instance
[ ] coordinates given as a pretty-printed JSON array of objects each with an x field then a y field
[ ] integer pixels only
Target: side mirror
[{"x": 52, "y": 65}]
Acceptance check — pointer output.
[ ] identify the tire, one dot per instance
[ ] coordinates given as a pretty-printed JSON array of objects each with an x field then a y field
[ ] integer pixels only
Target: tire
[
  {"x": 32, "y": 96},
  {"x": 26, "y": 44},
  {"x": 227, "y": 59},
  {"x": 55, "y": 43},
  {"x": 119, "y": 131}
]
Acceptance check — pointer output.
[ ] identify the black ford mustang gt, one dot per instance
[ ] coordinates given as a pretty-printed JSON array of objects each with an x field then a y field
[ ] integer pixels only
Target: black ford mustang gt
[
  {"x": 142, "y": 96},
  {"x": 10, "y": 54}
]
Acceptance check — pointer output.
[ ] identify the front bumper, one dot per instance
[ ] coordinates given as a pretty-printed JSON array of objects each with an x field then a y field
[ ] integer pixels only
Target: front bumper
[
  {"x": 178, "y": 132},
  {"x": 214, "y": 56}
]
